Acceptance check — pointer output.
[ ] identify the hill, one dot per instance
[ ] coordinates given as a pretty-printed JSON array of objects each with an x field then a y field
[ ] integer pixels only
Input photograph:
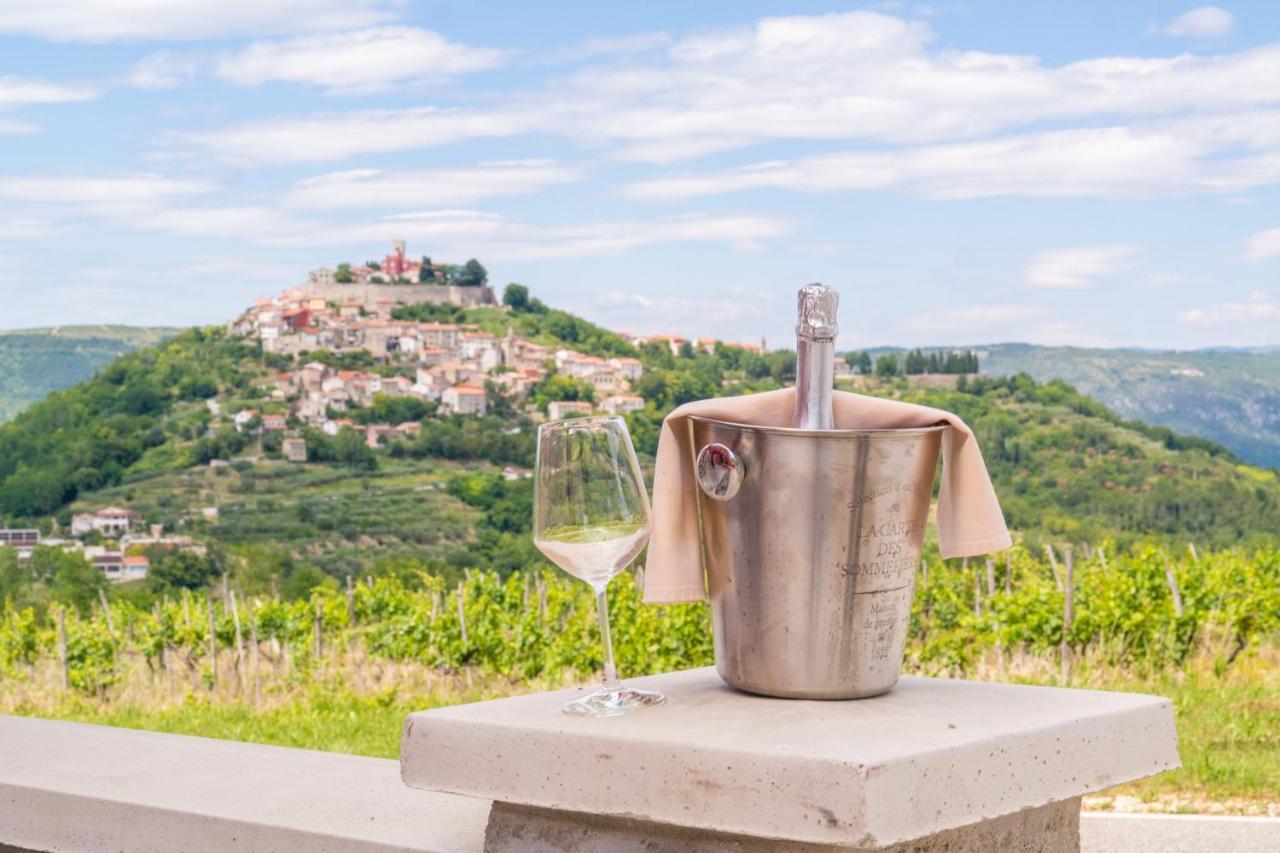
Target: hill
[
  {"x": 34, "y": 362},
  {"x": 149, "y": 431},
  {"x": 1230, "y": 396}
]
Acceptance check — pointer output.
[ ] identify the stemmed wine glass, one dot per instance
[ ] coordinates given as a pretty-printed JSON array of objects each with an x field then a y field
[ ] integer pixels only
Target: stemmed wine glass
[{"x": 591, "y": 518}]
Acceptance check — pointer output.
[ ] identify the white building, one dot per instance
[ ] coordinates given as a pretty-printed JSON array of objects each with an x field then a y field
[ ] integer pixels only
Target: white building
[
  {"x": 620, "y": 404},
  {"x": 567, "y": 409},
  {"x": 629, "y": 369},
  {"x": 112, "y": 521},
  {"x": 464, "y": 400}
]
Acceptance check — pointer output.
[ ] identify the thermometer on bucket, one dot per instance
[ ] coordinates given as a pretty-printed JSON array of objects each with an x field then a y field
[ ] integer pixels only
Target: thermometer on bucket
[{"x": 816, "y": 331}]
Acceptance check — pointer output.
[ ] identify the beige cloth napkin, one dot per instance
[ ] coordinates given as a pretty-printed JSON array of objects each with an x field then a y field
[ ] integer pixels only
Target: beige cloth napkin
[{"x": 969, "y": 518}]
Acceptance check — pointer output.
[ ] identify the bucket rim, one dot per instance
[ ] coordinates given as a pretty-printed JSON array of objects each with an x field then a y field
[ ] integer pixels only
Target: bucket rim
[{"x": 886, "y": 433}]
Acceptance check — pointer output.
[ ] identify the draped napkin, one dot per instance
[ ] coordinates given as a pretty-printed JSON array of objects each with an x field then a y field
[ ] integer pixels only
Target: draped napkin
[{"x": 969, "y": 518}]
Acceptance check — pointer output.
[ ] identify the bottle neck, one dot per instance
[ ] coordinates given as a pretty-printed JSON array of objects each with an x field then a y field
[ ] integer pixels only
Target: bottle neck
[{"x": 815, "y": 379}]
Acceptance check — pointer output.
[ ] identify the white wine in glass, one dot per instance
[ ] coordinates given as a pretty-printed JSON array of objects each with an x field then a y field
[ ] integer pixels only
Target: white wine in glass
[{"x": 591, "y": 518}]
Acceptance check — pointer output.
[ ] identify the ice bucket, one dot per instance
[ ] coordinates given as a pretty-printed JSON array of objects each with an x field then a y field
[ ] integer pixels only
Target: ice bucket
[{"x": 810, "y": 542}]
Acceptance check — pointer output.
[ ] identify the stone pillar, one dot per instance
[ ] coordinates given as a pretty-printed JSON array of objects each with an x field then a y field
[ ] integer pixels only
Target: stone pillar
[{"x": 1054, "y": 828}]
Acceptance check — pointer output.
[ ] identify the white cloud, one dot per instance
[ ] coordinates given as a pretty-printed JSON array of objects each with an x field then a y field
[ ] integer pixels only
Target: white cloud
[
  {"x": 1263, "y": 245},
  {"x": 1077, "y": 267},
  {"x": 24, "y": 227},
  {"x": 464, "y": 233},
  {"x": 468, "y": 233},
  {"x": 163, "y": 70},
  {"x": 1257, "y": 307},
  {"x": 122, "y": 197},
  {"x": 138, "y": 20},
  {"x": 1107, "y": 161},
  {"x": 1203, "y": 22},
  {"x": 336, "y": 136},
  {"x": 430, "y": 187},
  {"x": 15, "y": 126},
  {"x": 114, "y": 190},
  {"x": 20, "y": 91},
  {"x": 613, "y": 46},
  {"x": 1123, "y": 125},
  {"x": 356, "y": 62}
]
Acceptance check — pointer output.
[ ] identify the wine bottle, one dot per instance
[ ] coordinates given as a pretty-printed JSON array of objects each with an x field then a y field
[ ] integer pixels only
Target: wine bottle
[{"x": 816, "y": 330}]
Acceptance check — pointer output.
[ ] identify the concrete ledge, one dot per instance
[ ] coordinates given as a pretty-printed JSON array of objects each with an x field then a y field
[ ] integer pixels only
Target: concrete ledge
[
  {"x": 932, "y": 755},
  {"x": 66, "y": 788}
]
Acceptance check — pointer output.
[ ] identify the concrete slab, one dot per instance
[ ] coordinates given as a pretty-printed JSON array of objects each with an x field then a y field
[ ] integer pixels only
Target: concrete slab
[
  {"x": 67, "y": 787},
  {"x": 932, "y": 755}
]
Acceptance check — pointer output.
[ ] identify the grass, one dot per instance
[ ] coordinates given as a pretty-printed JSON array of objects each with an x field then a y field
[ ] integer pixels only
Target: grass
[{"x": 1228, "y": 725}]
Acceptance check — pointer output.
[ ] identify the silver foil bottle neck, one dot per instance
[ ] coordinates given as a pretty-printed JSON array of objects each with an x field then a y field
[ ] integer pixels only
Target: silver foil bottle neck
[{"x": 816, "y": 306}]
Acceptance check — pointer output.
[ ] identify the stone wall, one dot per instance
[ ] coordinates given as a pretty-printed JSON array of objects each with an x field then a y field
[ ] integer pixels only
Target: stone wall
[{"x": 403, "y": 294}]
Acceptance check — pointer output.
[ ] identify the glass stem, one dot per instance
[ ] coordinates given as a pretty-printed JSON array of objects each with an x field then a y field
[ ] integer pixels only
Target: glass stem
[{"x": 611, "y": 682}]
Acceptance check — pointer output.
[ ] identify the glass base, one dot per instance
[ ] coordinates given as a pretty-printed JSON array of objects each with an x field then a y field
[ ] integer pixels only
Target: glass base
[{"x": 612, "y": 703}]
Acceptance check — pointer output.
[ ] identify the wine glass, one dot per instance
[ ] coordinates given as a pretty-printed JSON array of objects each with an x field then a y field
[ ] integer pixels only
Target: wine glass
[{"x": 591, "y": 518}]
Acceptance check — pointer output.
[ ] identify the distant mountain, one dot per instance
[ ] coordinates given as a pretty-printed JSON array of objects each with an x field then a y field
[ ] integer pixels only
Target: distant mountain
[
  {"x": 34, "y": 362},
  {"x": 1231, "y": 396}
]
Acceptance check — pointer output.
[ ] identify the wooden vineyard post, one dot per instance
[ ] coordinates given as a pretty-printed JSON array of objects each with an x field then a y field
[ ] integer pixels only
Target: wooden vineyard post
[
  {"x": 319, "y": 636},
  {"x": 62, "y": 649},
  {"x": 1068, "y": 616},
  {"x": 462, "y": 620},
  {"x": 991, "y": 577},
  {"x": 1053, "y": 564},
  {"x": 351, "y": 602},
  {"x": 1191, "y": 546},
  {"x": 1008, "y": 572},
  {"x": 924, "y": 572},
  {"x": 253, "y": 648},
  {"x": 235, "y": 620},
  {"x": 1102, "y": 557},
  {"x": 106, "y": 612},
  {"x": 213, "y": 648},
  {"x": 1172, "y": 580},
  {"x": 977, "y": 595},
  {"x": 164, "y": 641}
]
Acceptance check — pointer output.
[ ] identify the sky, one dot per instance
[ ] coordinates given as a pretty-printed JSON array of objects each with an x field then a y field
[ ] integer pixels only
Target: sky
[{"x": 1091, "y": 173}]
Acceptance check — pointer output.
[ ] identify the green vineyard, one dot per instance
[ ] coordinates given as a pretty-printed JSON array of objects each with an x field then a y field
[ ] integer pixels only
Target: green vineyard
[
  {"x": 340, "y": 669},
  {"x": 1144, "y": 610}
]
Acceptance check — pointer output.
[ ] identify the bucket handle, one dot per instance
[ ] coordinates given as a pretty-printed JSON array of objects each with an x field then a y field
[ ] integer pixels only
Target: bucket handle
[{"x": 719, "y": 471}]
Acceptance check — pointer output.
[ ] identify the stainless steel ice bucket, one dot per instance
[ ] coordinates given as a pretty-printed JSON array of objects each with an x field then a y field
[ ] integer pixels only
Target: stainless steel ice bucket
[{"x": 810, "y": 542}]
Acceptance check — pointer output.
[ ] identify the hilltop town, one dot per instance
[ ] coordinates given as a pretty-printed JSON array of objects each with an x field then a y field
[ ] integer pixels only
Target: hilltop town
[{"x": 454, "y": 365}]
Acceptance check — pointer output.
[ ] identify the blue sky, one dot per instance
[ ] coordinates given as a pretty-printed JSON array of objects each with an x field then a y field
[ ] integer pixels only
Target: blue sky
[{"x": 1098, "y": 174}]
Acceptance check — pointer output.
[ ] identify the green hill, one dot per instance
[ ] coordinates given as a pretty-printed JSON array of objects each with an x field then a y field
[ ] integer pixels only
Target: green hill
[
  {"x": 34, "y": 362},
  {"x": 140, "y": 432},
  {"x": 1230, "y": 396}
]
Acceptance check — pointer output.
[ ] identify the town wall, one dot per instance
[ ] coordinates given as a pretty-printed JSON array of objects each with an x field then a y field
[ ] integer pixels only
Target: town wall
[{"x": 404, "y": 294}]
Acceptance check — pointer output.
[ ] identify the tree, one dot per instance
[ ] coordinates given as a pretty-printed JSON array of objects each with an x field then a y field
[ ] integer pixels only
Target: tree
[
  {"x": 859, "y": 361},
  {"x": 426, "y": 274},
  {"x": 516, "y": 297},
  {"x": 373, "y": 265},
  {"x": 182, "y": 570},
  {"x": 343, "y": 274},
  {"x": 349, "y": 449},
  {"x": 887, "y": 366},
  {"x": 473, "y": 274}
]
